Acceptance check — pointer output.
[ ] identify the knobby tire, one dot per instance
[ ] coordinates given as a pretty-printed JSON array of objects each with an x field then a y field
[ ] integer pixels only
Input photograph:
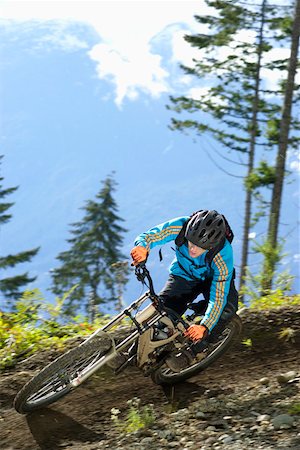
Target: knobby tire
[
  {"x": 53, "y": 382},
  {"x": 163, "y": 376}
]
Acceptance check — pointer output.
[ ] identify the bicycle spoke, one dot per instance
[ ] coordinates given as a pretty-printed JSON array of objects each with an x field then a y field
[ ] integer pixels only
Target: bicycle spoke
[
  {"x": 208, "y": 352},
  {"x": 62, "y": 379}
]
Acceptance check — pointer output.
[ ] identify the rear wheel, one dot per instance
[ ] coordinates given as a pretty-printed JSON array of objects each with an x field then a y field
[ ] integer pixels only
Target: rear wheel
[
  {"x": 164, "y": 375},
  {"x": 54, "y": 381}
]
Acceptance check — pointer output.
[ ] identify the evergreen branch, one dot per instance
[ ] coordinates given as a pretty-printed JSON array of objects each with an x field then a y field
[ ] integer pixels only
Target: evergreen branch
[
  {"x": 13, "y": 260},
  {"x": 225, "y": 158},
  {"x": 219, "y": 167},
  {"x": 11, "y": 287},
  {"x": 5, "y": 218},
  {"x": 8, "y": 191}
]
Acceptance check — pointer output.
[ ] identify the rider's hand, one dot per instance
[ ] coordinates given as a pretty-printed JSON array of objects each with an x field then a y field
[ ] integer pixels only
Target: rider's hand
[
  {"x": 196, "y": 332},
  {"x": 139, "y": 254}
]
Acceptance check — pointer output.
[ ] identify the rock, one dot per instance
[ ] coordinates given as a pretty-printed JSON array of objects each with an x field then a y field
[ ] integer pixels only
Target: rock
[
  {"x": 264, "y": 381},
  {"x": 210, "y": 440},
  {"x": 147, "y": 441},
  {"x": 230, "y": 405},
  {"x": 248, "y": 419},
  {"x": 181, "y": 414},
  {"x": 228, "y": 418},
  {"x": 199, "y": 415},
  {"x": 283, "y": 378},
  {"x": 282, "y": 421},
  {"x": 263, "y": 418},
  {"x": 219, "y": 424},
  {"x": 173, "y": 444},
  {"x": 167, "y": 434},
  {"x": 211, "y": 428},
  {"x": 225, "y": 438}
]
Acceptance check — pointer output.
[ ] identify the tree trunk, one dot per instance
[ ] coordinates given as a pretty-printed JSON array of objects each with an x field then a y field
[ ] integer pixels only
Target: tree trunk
[
  {"x": 255, "y": 109},
  {"x": 92, "y": 310},
  {"x": 269, "y": 265}
]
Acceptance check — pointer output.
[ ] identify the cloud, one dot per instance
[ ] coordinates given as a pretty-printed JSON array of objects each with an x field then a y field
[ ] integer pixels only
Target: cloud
[
  {"x": 137, "y": 72},
  {"x": 125, "y": 29},
  {"x": 294, "y": 160},
  {"x": 67, "y": 42},
  {"x": 168, "y": 148},
  {"x": 181, "y": 50},
  {"x": 133, "y": 36},
  {"x": 295, "y": 165}
]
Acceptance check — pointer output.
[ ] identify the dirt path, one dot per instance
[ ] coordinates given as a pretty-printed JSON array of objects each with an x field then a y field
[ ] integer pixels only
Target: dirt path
[{"x": 82, "y": 419}]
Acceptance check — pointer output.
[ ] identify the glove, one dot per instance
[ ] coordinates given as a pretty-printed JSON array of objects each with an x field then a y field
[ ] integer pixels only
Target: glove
[
  {"x": 139, "y": 254},
  {"x": 196, "y": 332}
]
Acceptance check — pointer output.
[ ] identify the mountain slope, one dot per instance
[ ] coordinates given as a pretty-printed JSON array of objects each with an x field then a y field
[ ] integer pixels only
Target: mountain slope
[{"x": 234, "y": 404}]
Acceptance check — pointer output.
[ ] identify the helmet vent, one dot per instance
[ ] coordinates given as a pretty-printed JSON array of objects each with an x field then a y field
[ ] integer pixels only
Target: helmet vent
[
  {"x": 202, "y": 233},
  {"x": 218, "y": 235},
  {"x": 205, "y": 229}
]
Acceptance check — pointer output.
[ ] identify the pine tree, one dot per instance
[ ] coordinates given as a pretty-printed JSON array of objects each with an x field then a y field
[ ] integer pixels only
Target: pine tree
[
  {"x": 12, "y": 287},
  {"x": 283, "y": 144},
  {"x": 236, "y": 99},
  {"x": 94, "y": 249}
]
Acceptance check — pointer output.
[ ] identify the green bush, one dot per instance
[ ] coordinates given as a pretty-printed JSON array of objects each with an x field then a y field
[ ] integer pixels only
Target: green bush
[
  {"x": 35, "y": 325},
  {"x": 136, "y": 418},
  {"x": 294, "y": 409},
  {"x": 274, "y": 298}
]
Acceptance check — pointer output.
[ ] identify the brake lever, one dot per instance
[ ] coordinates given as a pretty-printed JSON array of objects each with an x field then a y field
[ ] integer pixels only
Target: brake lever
[{"x": 140, "y": 272}]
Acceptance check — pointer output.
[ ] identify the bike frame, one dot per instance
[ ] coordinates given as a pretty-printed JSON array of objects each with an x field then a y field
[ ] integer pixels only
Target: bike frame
[
  {"x": 142, "y": 320},
  {"x": 140, "y": 329}
]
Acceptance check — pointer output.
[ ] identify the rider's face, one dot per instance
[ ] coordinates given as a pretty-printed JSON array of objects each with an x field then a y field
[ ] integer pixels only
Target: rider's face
[{"x": 195, "y": 251}]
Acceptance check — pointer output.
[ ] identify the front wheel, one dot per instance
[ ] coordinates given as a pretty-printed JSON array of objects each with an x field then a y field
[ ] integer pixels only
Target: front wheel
[
  {"x": 54, "y": 381},
  {"x": 164, "y": 375}
]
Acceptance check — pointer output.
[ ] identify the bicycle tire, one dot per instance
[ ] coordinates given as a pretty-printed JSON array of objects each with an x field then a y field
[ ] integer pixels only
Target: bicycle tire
[
  {"x": 163, "y": 376},
  {"x": 53, "y": 382}
]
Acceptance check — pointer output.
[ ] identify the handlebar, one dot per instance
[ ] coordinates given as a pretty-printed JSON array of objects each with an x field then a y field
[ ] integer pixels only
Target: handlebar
[{"x": 142, "y": 273}]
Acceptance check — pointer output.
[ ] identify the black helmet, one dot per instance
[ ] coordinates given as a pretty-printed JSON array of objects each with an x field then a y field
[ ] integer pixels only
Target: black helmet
[{"x": 206, "y": 229}]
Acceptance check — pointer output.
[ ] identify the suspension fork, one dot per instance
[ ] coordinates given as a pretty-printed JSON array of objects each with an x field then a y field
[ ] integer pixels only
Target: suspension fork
[
  {"x": 125, "y": 313},
  {"x": 141, "y": 328}
]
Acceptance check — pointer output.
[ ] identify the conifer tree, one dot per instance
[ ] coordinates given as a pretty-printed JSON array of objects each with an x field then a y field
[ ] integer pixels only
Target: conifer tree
[
  {"x": 94, "y": 249},
  {"x": 13, "y": 286},
  {"x": 284, "y": 142},
  {"x": 237, "y": 101}
]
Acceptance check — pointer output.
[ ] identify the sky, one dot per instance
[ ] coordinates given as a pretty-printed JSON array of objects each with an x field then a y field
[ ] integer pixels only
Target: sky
[
  {"x": 126, "y": 28},
  {"x": 84, "y": 88}
]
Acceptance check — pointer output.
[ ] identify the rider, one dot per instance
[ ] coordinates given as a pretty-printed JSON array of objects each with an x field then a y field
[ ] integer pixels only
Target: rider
[{"x": 191, "y": 273}]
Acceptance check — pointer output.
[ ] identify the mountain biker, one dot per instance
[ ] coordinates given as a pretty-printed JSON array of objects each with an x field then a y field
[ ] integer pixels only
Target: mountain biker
[{"x": 192, "y": 273}]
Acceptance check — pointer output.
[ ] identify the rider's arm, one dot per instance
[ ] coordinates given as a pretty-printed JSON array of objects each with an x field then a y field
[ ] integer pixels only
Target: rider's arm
[
  {"x": 161, "y": 234},
  {"x": 222, "y": 266}
]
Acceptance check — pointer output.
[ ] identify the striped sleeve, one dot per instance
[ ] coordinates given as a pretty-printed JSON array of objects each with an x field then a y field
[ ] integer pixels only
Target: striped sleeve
[
  {"x": 161, "y": 234},
  {"x": 222, "y": 266}
]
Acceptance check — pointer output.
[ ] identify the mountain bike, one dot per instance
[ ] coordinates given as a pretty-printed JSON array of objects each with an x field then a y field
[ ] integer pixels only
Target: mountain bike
[{"x": 155, "y": 342}]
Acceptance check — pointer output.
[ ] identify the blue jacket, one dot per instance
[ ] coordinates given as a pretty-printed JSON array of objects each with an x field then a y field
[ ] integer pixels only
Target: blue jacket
[{"x": 220, "y": 270}]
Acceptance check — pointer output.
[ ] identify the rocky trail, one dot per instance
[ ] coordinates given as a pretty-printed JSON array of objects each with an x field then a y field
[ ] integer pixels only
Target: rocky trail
[{"x": 249, "y": 399}]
